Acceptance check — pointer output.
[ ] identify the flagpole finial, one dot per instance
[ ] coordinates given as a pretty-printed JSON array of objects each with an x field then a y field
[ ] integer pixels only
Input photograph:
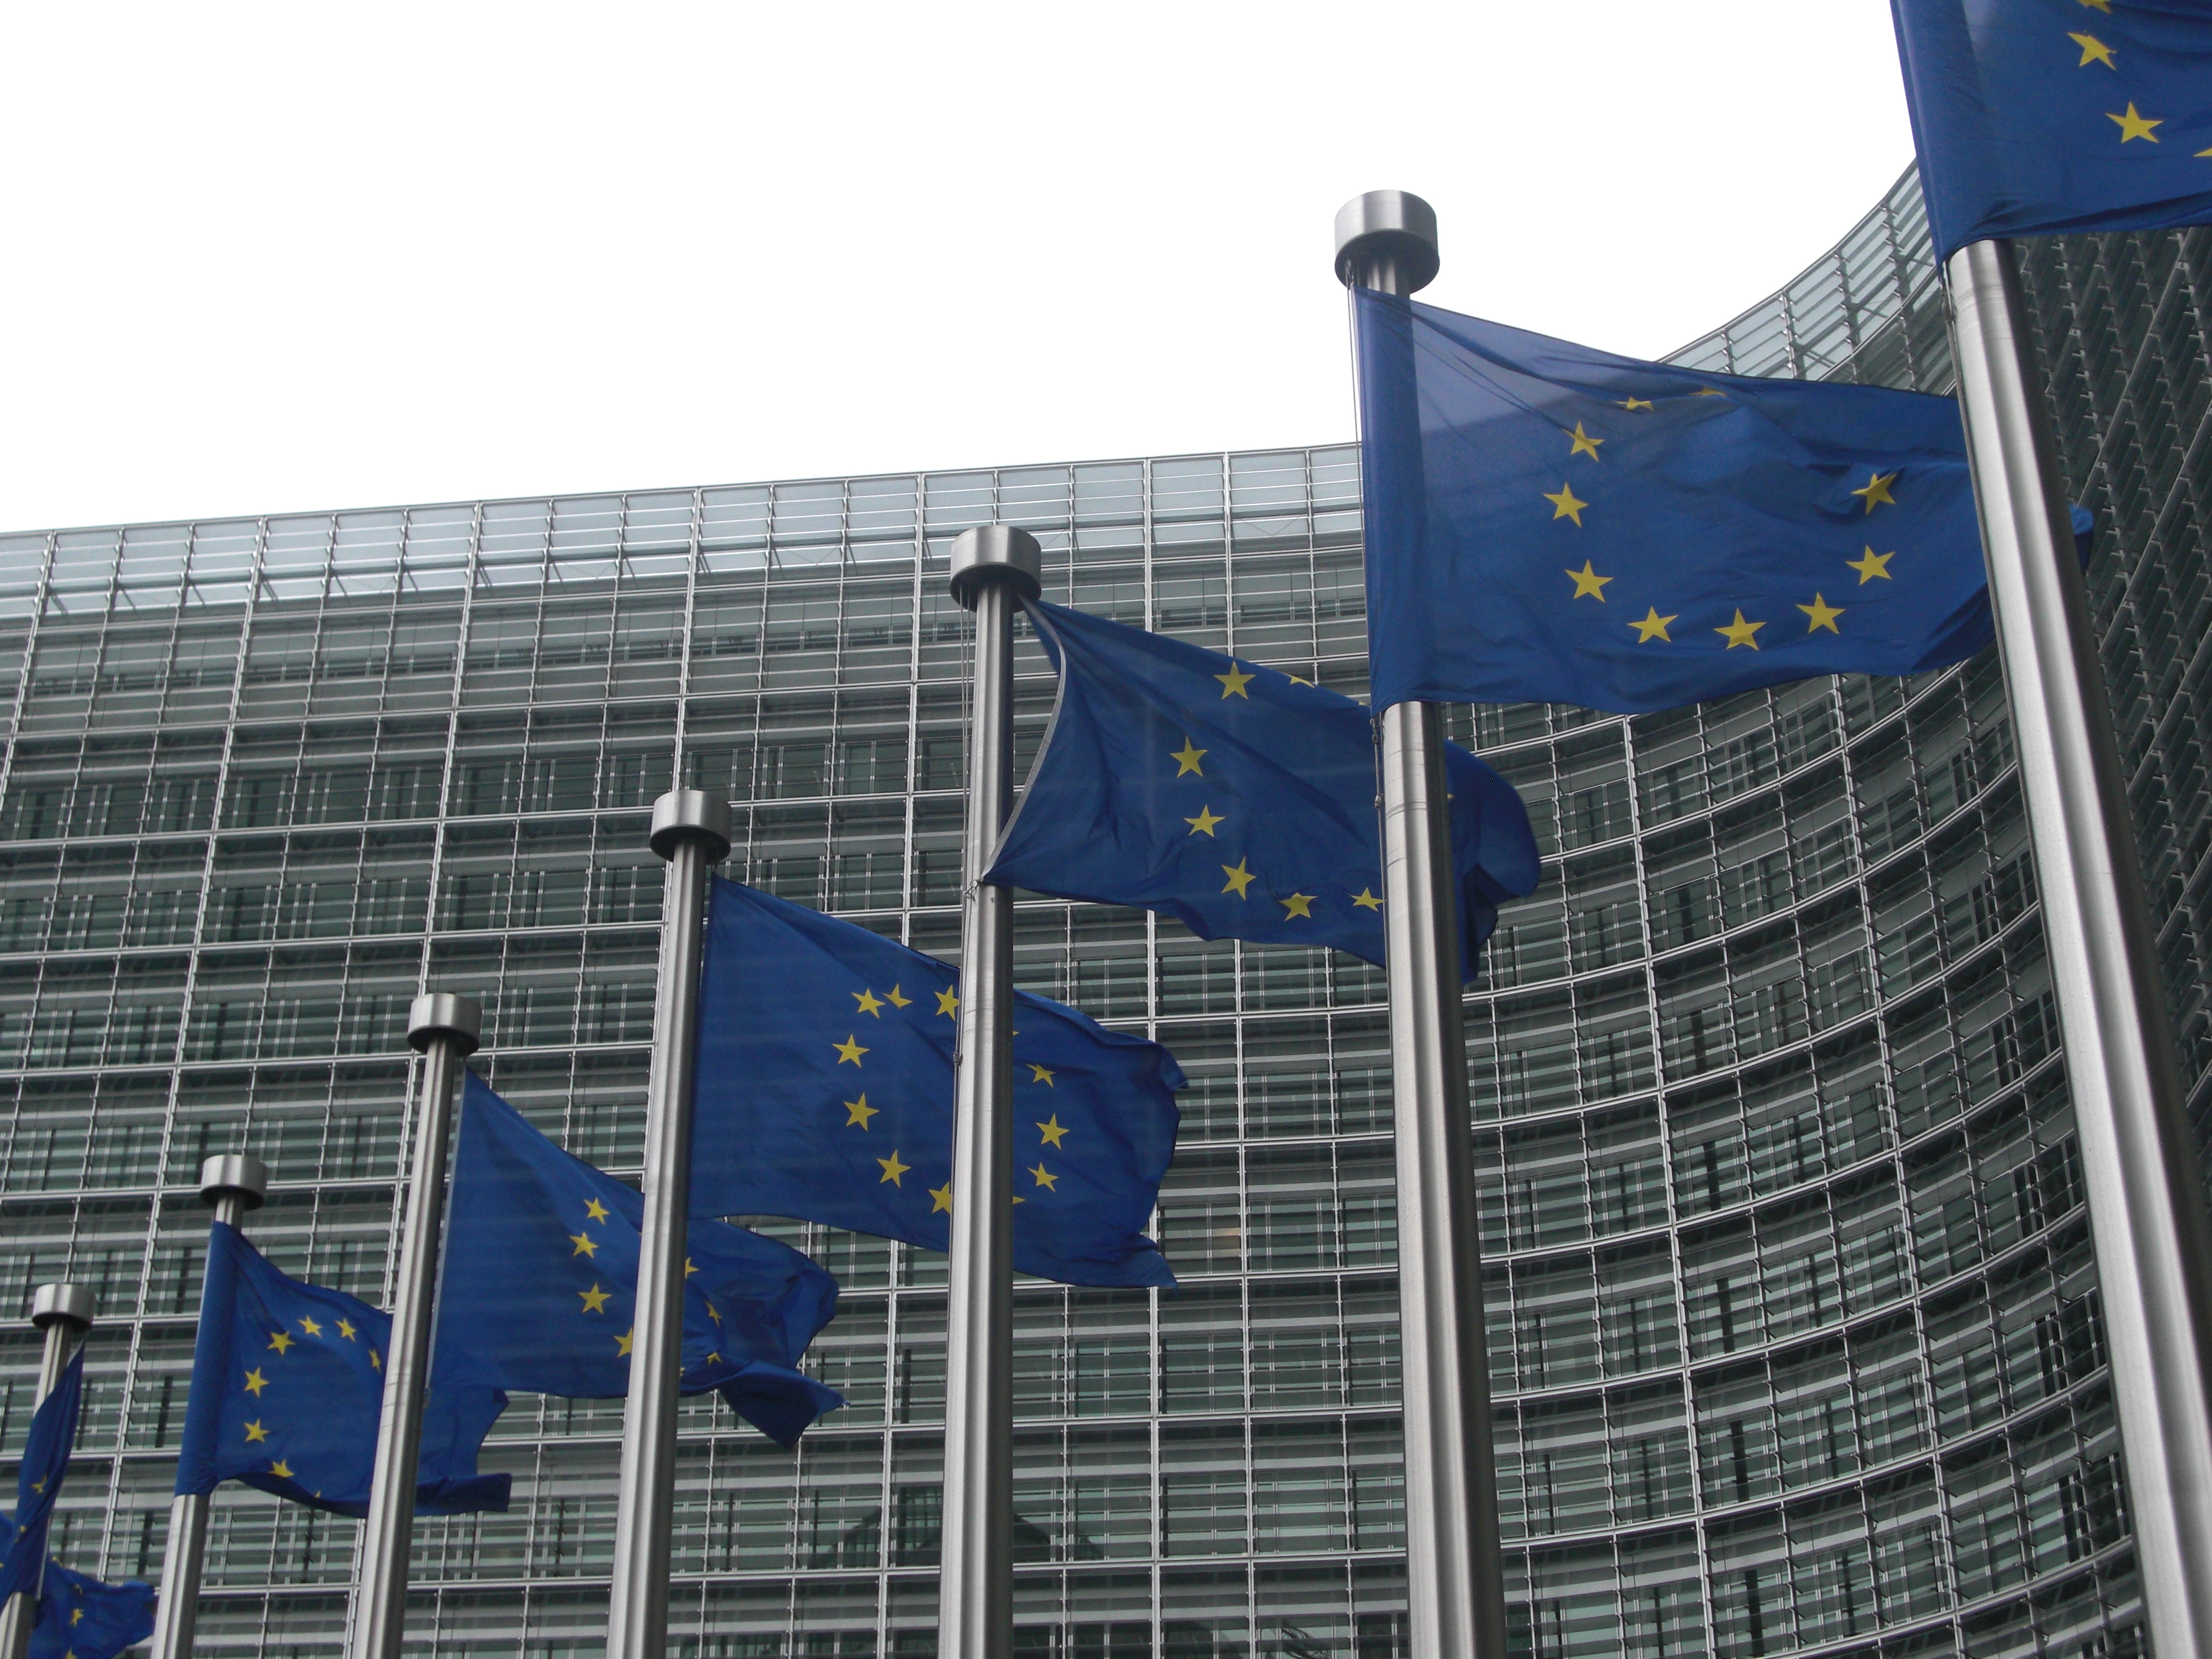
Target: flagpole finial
[
  {"x": 1387, "y": 240},
  {"x": 235, "y": 1175},
  {"x": 444, "y": 1014},
  {"x": 682, "y": 815},
  {"x": 996, "y": 552},
  {"x": 62, "y": 1304}
]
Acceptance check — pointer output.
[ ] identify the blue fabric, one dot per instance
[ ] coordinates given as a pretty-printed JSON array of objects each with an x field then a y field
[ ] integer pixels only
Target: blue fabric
[
  {"x": 2036, "y": 118},
  {"x": 825, "y": 1093},
  {"x": 540, "y": 1286},
  {"x": 82, "y": 1617},
  {"x": 1233, "y": 798},
  {"x": 39, "y": 1482},
  {"x": 287, "y": 1395},
  {"x": 1533, "y": 539}
]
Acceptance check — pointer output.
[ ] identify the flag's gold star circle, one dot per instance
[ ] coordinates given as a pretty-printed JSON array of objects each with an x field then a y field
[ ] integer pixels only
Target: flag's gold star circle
[
  {"x": 310, "y": 1326},
  {"x": 1566, "y": 505},
  {"x": 281, "y": 1340},
  {"x": 1632, "y": 405},
  {"x": 1584, "y": 444},
  {"x": 348, "y": 1330},
  {"x": 1876, "y": 490},
  {"x": 1365, "y": 899},
  {"x": 948, "y": 1003},
  {"x": 940, "y": 1200},
  {"x": 1298, "y": 904},
  {"x": 1653, "y": 627},
  {"x": 870, "y": 1003},
  {"x": 1588, "y": 582},
  {"x": 2093, "y": 50},
  {"x": 1187, "y": 758},
  {"x": 2133, "y": 125},
  {"x": 1823, "y": 614},
  {"x": 593, "y": 1208},
  {"x": 859, "y": 1112},
  {"x": 1205, "y": 822},
  {"x": 595, "y": 1299},
  {"x": 1239, "y": 878},
  {"x": 849, "y": 1050},
  {"x": 585, "y": 1243},
  {"x": 1045, "y": 1178},
  {"x": 1874, "y": 564},
  {"x": 255, "y": 1382},
  {"x": 1233, "y": 684},
  {"x": 281, "y": 1469},
  {"x": 623, "y": 1342},
  {"x": 1052, "y": 1131},
  {"x": 892, "y": 1168},
  {"x": 896, "y": 1000},
  {"x": 254, "y": 1431},
  {"x": 1739, "y": 632},
  {"x": 1040, "y": 1074}
]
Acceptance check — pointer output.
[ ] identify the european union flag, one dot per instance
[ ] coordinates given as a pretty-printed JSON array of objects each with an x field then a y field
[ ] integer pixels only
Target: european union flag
[
  {"x": 825, "y": 1083},
  {"x": 288, "y": 1392},
  {"x": 1232, "y": 797},
  {"x": 39, "y": 1482},
  {"x": 82, "y": 1617},
  {"x": 540, "y": 1285},
  {"x": 2035, "y": 117},
  {"x": 1546, "y": 523}
]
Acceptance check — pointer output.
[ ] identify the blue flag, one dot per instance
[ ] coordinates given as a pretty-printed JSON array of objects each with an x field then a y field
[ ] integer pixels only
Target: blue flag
[
  {"x": 540, "y": 1285},
  {"x": 2037, "y": 118},
  {"x": 1232, "y": 797},
  {"x": 39, "y": 1483},
  {"x": 82, "y": 1617},
  {"x": 1546, "y": 523},
  {"x": 825, "y": 1093},
  {"x": 288, "y": 1392}
]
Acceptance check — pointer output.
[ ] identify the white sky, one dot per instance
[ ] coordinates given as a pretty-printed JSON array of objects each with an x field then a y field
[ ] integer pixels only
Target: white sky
[{"x": 261, "y": 260}]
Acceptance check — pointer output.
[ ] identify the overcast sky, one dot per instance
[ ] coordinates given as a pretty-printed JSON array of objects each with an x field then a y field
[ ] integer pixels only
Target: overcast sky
[{"x": 258, "y": 260}]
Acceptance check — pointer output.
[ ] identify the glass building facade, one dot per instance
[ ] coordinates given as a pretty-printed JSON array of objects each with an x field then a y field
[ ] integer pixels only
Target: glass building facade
[{"x": 1794, "y": 1319}]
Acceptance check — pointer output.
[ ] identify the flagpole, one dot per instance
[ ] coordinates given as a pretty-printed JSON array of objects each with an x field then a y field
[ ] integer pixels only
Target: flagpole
[
  {"x": 692, "y": 831},
  {"x": 444, "y": 1029},
  {"x": 993, "y": 567},
  {"x": 2146, "y": 1199},
  {"x": 231, "y": 1185},
  {"x": 1386, "y": 241},
  {"x": 64, "y": 1312}
]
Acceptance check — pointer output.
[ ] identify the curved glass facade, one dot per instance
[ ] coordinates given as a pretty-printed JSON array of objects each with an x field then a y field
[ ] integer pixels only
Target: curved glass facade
[{"x": 1794, "y": 1323}]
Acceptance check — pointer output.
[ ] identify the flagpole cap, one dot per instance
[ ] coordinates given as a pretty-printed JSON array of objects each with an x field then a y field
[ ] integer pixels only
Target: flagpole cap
[
  {"x": 1390, "y": 228},
  {"x": 682, "y": 815},
  {"x": 62, "y": 1304},
  {"x": 443, "y": 1014},
  {"x": 996, "y": 552},
  {"x": 239, "y": 1174}
]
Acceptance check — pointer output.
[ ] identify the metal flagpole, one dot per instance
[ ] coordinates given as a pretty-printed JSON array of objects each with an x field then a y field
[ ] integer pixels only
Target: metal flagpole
[
  {"x": 993, "y": 569},
  {"x": 2146, "y": 1199},
  {"x": 64, "y": 1312},
  {"x": 691, "y": 831},
  {"x": 231, "y": 1185},
  {"x": 1386, "y": 241},
  {"x": 444, "y": 1029}
]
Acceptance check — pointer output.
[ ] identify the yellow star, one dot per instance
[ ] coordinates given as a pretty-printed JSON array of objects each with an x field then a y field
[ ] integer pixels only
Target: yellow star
[
  {"x": 2093, "y": 50},
  {"x": 1631, "y": 405},
  {"x": 254, "y": 1431},
  {"x": 1589, "y": 582},
  {"x": 2133, "y": 125},
  {"x": 2205, "y": 152},
  {"x": 2105, "y": 6},
  {"x": 713, "y": 1313},
  {"x": 1365, "y": 899},
  {"x": 311, "y": 1327},
  {"x": 76, "y": 1616},
  {"x": 585, "y": 1243},
  {"x": 948, "y": 1003},
  {"x": 1052, "y": 1131},
  {"x": 1239, "y": 878},
  {"x": 896, "y": 1000},
  {"x": 281, "y": 1469},
  {"x": 255, "y": 1382},
  {"x": 1709, "y": 391},
  {"x": 1295, "y": 680},
  {"x": 858, "y": 1111},
  {"x": 1188, "y": 757},
  {"x": 1206, "y": 821},
  {"x": 714, "y": 1358},
  {"x": 1298, "y": 904},
  {"x": 1039, "y": 1074},
  {"x": 1045, "y": 1178},
  {"x": 1739, "y": 632},
  {"x": 690, "y": 1267},
  {"x": 1232, "y": 685},
  {"x": 594, "y": 1209},
  {"x": 1583, "y": 443},
  {"x": 849, "y": 1050},
  {"x": 1568, "y": 506},
  {"x": 870, "y": 1003},
  {"x": 940, "y": 1200},
  {"x": 595, "y": 1299},
  {"x": 280, "y": 1341},
  {"x": 1877, "y": 490},
  {"x": 893, "y": 1168},
  {"x": 375, "y": 1360},
  {"x": 1874, "y": 564},
  {"x": 1823, "y": 614},
  {"x": 38, "y": 1485},
  {"x": 1653, "y": 627},
  {"x": 624, "y": 1342},
  {"x": 347, "y": 1329}
]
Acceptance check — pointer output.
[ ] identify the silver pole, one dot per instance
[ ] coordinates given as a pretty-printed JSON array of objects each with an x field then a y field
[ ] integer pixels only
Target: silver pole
[
  {"x": 444, "y": 1029},
  {"x": 692, "y": 832},
  {"x": 64, "y": 1312},
  {"x": 1455, "y": 1584},
  {"x": 993, "y": 568},
  {"x": 231, "y": 1185},
  {"x": 2147, "y": 1201}
]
